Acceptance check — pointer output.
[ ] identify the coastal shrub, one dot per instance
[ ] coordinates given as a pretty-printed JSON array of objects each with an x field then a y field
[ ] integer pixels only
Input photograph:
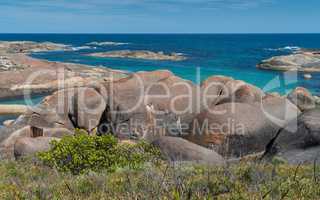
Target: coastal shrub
[
  {"x": 33, "y": 180},
  {"x": 82, "y": 153}
]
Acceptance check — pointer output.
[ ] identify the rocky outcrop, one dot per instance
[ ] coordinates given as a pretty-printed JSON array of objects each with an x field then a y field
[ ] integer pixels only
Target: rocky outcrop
[
  {"x": 7, "y": 144},
  {"x": 279, "y": 110},
  {"x": 147, "y": 55},
  {"x": 299, "y": 141},
  {"x": 232, "y": 129},
  {"x": 85, "y": 105},
  {"x": 156, "y": 99},
  {"x": 238, "y": 129},
  {"x": 11, "y": 135},
  {"x": 43, "y": 77},
  {"x": 30, "y": 47},
  {"x": 302, "y": 98},
  {"x": 177, "y": 149},
  {"x": 220, "y": 89},
  {"x": 301, "y": 61},
  {"x": 241, "y": 92},
  {"x": 317, "y": 100},
  {"x": 27, "y": 146},
  {"x": 230, "y": 116}
]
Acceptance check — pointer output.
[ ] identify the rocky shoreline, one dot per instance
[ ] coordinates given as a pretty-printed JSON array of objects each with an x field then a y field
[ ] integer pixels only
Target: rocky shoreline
[
  {"x": 19, "y": 72},
  {"x": 12, "y": 47},
  {"x": 146, "y": 55},
  {"x": 304, "y": 61},
  {"x": 239, "y": 119}
]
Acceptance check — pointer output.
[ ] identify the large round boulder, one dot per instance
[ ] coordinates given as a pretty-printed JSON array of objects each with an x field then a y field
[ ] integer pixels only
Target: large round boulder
[
  {"x": 174, "y": 95},
  {"x": 302, "y": 98},
  {"x": 7, "y": 144},
  {"x": 221, "y": 89},
  {"x": 27, "y": 146},
  {"x": 240, "y": 91},
  {"x": 238, "y": 129},
  {"x": 42, "y": 117},
  {"x": 177, "y": 149},
  {"x": 299, "y": 142},
  {"x": 154, "y": 101},
  {"x": 302, "y": 133},
  {"x": 84, "y": 105},
  {"x": 213, "y": 88},
  {"x": 279, "y": 110}
]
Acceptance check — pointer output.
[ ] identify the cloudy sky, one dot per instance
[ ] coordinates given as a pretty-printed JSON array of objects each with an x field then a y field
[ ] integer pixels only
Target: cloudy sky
[{"x": 159, "y": 16}]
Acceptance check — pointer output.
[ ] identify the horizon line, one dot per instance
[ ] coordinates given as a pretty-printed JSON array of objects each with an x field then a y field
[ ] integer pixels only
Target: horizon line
[{"x": 204, "y": 33}]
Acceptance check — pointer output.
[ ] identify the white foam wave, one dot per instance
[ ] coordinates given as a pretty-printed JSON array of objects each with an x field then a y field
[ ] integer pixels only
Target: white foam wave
[
  {"x": 179, "y": 54},
  {"x": 82, "y": 48},
  {"x": 108, "y": 43},
  {"x": 287, "y": 48}
]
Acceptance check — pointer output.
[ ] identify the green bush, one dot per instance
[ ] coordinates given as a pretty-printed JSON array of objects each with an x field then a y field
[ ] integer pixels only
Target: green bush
[{"x": 82, "y": 153}]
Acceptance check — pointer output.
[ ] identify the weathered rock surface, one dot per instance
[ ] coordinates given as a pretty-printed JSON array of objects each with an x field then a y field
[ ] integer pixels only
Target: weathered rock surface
[
  {"x": 279, "y": 110},
  {"x": 299, "y": 141},
  {"x": 301, "y": 134},
  {"x": 85, "y": 105},
  {"x": 221, "y": 89},
  {"x": 317, "y": 100},
  {"x": 27, "y": 146},
  {"x": 240, "y": 91},
  {"x": 147, "y": 55},
  {"x": 213, "y": 87},
  {"x": 243, "y": 121},
  {"x": 238, "y": 129},
  {"x": 43, "y": 77},
  {"x": 301, "y": 61},
  {"x": 177, "y": 149},
  {"x": 7, "y": 144},
  {"x": 302, "y": 98},
  {"x": 156, "y": 99},
  {"x": 30, "y": 47}
]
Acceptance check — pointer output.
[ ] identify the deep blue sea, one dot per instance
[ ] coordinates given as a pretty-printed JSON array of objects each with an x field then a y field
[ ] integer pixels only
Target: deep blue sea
[{"x": 233, "y": 55}]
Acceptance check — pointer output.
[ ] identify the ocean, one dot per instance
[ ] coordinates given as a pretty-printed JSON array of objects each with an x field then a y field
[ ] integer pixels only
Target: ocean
[{"x": 234, "y": 55}]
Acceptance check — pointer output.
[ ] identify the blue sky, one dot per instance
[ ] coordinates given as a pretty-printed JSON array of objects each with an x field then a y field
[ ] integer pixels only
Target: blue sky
[{"x": 159, "y": 16}]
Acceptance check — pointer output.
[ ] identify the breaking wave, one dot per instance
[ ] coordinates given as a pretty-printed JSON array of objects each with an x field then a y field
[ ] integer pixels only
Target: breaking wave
[
  {"x": 287, "y": 48},
  {"x": 109, "y": 43},
  {"x": 82, "y": 48}
]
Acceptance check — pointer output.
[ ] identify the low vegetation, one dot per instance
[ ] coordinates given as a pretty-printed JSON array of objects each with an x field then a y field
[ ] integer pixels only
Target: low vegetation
[
  {"x": 92, "y": 167},
  {"x": 29, "y": 180},
  {"x": 83, "y": 153}
]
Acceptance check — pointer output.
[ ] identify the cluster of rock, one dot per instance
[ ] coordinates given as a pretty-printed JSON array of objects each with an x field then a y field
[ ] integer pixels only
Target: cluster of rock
[
  {"x": 242, "y": 119},
  {"x": 30, "y": 47},
  {"x": 147, "y": 55},
  {"x": 220, "y": 119},
  {"x": 306, "y": 61}
]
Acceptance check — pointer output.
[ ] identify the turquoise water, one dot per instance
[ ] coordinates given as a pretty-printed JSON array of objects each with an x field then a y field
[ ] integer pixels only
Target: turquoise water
[{"x": 233, "y": 55}]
